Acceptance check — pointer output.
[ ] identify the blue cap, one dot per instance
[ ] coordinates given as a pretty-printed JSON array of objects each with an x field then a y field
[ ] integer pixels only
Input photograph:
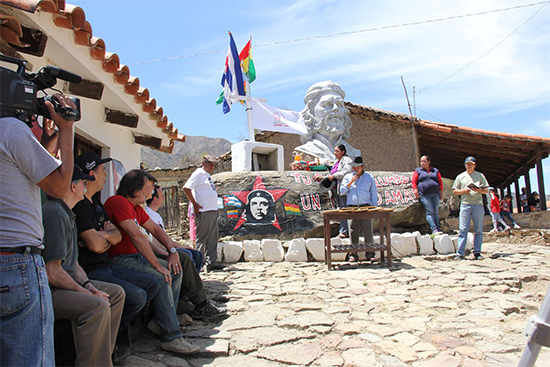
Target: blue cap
[{"x": 470, "y": 159}]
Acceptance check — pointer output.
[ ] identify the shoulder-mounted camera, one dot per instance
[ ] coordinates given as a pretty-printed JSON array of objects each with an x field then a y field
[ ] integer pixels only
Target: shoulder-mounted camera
[{"x": 19, "y": 92}]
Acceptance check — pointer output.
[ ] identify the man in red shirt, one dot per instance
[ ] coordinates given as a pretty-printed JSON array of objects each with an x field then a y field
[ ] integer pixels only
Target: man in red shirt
[{"x": 134, "y": 252}]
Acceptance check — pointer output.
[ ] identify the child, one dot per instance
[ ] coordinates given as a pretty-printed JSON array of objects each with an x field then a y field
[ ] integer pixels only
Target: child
[
  {"x": 495, "y": 212},
  {"x": 505, "y": 210}
]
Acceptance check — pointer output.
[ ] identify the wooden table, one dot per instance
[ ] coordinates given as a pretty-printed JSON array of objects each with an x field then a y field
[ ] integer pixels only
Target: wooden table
[{"x": 382, "y": 214}]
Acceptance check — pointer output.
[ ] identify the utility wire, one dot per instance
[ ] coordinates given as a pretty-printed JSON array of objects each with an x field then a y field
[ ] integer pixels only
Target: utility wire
[
  {"x": 486, "y": 53},
  {"x": 351, "y": 32},
  {"x": 435, "y": 117}
]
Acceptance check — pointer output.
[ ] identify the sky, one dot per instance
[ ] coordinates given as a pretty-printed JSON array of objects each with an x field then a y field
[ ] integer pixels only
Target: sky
[{"x": 488, "y": 71}]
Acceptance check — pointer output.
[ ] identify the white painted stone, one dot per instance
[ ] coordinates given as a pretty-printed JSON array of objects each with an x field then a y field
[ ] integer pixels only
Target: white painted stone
[
  {"x": 470, "y": 243},
  {"x": 219, "y": 251},
  {"x": 252, "y": 250},
  {"x": 241, "y": 156},
  {"x": 443, "y": 244},
  {"x": 316, "y": 247},
  {"x": 273, "y": 250},
  {"x": 232, "y": 251},
  {"x": 338, "y": 256},
  {"x": 409, "y": 244},
  {"x": 426, "y": 245},
  {"x": 296, "y": 250},
  {"x": 454, "y": 238}
]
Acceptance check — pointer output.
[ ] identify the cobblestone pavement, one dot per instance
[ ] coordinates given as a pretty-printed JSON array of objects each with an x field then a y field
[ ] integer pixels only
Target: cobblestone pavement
[{"x": 424, "y": 312}]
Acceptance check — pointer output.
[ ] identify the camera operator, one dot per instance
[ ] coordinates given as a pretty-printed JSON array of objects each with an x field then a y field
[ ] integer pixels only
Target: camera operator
[{"x": 25, "y": 299}]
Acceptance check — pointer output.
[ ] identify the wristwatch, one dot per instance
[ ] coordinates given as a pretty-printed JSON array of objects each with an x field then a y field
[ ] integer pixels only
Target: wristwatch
[{"x": 173, "y": 250}]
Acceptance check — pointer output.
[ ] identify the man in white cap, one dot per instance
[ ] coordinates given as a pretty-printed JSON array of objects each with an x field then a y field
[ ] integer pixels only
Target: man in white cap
[
  {"x": 360, "y": 188},
  {"x": 470, "y": 185},
  {"x": 201, "y": 192}
]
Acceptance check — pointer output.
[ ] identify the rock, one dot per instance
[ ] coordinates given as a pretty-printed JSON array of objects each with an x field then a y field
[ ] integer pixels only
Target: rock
[
  {"x": 316, "y": 247},
  {"x": 470, "y": 242},
  {"x": 232, "y": 251},
  {"x": 403, "y": 245},
  {"x": 219, "y": 250},
  {"x": 138, "y": 361},
  {"x": 252, "y": 250},
  {"x": 301, "y": 354},
  {"x": 294, "y": 203},
  {"x": 296, "y": 250},
  {"x": 273, "y": 250},
  {"x": 443, "y": 244},
  {"x": 426, "y": 245},
  {"x": 337, "y": 256}
]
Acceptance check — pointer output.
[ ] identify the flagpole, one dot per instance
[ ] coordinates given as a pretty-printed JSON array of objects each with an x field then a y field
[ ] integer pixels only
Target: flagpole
[
  {"x": 249, "y": 112},
  {"x": 247, "y": 104}
]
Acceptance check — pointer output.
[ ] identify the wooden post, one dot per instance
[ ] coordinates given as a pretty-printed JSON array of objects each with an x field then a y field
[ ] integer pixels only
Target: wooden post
[
  {"x": 540, "y": 179},
  {"x": 527, "y": 180},
  {"x": 518, "y": 193}
]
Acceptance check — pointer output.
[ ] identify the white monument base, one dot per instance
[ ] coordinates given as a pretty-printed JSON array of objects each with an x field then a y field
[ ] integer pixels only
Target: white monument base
[{"x": 256, "y": 156}]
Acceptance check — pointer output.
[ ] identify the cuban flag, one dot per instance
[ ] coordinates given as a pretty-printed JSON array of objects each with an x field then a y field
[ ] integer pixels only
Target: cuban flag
[{"x": 232, "y": 79}]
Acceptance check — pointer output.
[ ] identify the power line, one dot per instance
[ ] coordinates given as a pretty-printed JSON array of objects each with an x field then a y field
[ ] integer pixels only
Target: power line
[
  {"x": 486, "y": 53},
  {"x": 349, "y": 32},
  {"x": 426, "y": 113}
]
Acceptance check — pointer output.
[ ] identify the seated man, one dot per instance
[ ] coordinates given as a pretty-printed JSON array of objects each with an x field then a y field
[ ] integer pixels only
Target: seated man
[
  {"x": 97, "y": 234},
  {"x": 94, "y": 309},
  {"x": 154, "y": 203},
  {"x": 134, "y": 252},
  {"x": 192, "y": 285}
]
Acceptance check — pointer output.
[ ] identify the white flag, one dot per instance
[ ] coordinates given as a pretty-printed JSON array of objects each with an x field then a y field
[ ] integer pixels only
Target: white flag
[{"x": 265, "y": 117}]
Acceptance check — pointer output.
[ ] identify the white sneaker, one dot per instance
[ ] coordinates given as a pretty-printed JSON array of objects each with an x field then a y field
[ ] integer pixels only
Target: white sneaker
[
  {"x": 180, "y": 346},
  {"x": 493, "y": 230},
  {"x": 507, "y": 228},
  {"x": 516, "y": 226}
]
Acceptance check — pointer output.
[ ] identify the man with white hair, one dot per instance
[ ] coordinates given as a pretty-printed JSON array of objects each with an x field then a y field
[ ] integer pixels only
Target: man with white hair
[{"x": 327, "y": 121}]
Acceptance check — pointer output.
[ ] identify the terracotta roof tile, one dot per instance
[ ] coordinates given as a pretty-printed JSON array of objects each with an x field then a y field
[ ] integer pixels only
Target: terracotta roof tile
[
  {"x": 122, "y": 74},
  {"x": 83, "y": 36},
  {"x": 97, "y": 48},
  {"x": 132, "y": 86},
  {"x": 72, "y": 17}
]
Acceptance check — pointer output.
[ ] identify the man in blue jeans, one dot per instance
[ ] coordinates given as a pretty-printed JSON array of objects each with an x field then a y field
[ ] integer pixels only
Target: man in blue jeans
[
  {"x": 134, "y": 252},
  {"x": 470, "y": 185},
  {"x": 26, "y": 311},
  {"x": 97, "y": 234}
]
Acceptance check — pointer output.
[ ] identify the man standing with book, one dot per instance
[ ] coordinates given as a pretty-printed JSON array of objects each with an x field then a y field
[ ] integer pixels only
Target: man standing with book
[{"x": 470, "y": 185}]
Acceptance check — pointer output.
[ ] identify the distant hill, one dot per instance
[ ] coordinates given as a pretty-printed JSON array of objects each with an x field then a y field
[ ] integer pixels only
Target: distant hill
[{"x": 185, "y": 154}]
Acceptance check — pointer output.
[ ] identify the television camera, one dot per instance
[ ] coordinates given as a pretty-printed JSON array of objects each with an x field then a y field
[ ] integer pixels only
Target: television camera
[{"x": 18, "y": 92}]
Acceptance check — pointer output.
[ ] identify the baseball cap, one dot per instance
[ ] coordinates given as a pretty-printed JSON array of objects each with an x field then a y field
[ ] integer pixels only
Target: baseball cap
[
  {"x": 90, "y": 160},
  {"x": 210, "y": 158},
  {"x": 470, "y": 159},
  {"x": 357, "y": 161},
  {"x": 79, "y": 175}
]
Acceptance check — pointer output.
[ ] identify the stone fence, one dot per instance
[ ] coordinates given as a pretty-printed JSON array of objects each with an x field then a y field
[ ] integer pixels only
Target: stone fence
[{"x": 403, "y": 244}]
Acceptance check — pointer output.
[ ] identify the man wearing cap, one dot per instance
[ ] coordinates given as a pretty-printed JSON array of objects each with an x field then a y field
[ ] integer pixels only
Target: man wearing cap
[
  {"x": 201, "y": 192},
  {"x": 470, "y": 185},
  {"x": 94, "y": 309},
  {"x": 360, "y": 188},
  {"x": 97, "y": 234}
]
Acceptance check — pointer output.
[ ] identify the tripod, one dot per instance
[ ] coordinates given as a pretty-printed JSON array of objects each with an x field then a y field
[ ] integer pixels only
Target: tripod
[{"x": 537, "y": 332}]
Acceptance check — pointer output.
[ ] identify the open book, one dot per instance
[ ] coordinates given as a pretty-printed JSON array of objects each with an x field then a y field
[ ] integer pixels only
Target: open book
[{"x": 476, "y": 186}]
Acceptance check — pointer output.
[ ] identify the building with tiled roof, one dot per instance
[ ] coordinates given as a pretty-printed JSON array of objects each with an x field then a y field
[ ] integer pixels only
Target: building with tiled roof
[
  {"x": 391, "y": 141},
  {"x": 118, "y": 114}
]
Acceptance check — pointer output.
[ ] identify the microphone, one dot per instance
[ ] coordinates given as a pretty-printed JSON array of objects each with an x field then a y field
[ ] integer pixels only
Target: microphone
[{"x": 63, "y": 74}]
